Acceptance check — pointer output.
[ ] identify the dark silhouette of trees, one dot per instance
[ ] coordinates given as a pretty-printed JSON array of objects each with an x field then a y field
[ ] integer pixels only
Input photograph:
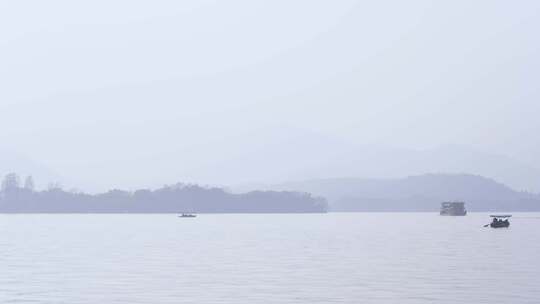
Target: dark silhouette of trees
[
  {"x": 54, "y": 186},
  {"x": 29, "y": 183},
  {"x": 11, "y": 182},
  {"x": 168, "y": 199}
]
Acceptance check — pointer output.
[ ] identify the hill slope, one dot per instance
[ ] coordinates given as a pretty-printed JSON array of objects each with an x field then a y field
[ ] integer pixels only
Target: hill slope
[{"x": 417, "y": 193}]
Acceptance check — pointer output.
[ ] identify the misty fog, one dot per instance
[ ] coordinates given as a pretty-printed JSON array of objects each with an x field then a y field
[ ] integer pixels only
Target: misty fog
[{"x": 133, "y": 94}]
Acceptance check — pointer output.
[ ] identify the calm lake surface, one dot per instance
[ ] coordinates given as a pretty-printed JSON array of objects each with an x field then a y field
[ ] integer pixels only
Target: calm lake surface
[{"x": 254, "y": 258}]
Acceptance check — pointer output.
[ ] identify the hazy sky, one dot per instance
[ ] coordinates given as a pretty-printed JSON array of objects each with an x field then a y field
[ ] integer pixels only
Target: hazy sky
[{"x": 134, "y": 93}]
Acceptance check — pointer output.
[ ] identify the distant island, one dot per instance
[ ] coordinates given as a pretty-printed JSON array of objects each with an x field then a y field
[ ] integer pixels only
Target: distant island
[{"x": 176, "y": 198}]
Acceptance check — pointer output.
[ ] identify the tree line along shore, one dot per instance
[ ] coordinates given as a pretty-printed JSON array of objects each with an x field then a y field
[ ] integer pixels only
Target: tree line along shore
[{"x": 17, "y": 197}]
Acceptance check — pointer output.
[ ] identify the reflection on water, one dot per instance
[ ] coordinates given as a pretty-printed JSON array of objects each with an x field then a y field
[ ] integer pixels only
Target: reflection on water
[{"x": 296, "y": 258}]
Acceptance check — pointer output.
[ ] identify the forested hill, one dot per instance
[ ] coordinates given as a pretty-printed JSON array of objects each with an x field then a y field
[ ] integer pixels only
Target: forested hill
[{"x": 169, "y": 199}]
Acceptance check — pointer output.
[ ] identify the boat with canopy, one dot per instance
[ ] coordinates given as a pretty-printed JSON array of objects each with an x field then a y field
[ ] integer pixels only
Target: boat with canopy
[{"x": 500, "y": 221}]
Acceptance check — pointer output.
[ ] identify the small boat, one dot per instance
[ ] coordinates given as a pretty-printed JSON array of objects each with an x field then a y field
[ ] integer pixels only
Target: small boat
[
  {"x": 187, "y": 215},
  {"x": 500, "y": 221}
]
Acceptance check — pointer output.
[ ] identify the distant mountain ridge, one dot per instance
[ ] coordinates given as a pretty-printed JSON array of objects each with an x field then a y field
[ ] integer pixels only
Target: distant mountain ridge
[
  {"x": 416, "y": 193},
  {"x": 290, "y": 154}
]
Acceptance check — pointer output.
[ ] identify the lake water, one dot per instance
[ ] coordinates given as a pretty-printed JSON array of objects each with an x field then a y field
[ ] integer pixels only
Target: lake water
[{"x": 254, "y": 258}]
